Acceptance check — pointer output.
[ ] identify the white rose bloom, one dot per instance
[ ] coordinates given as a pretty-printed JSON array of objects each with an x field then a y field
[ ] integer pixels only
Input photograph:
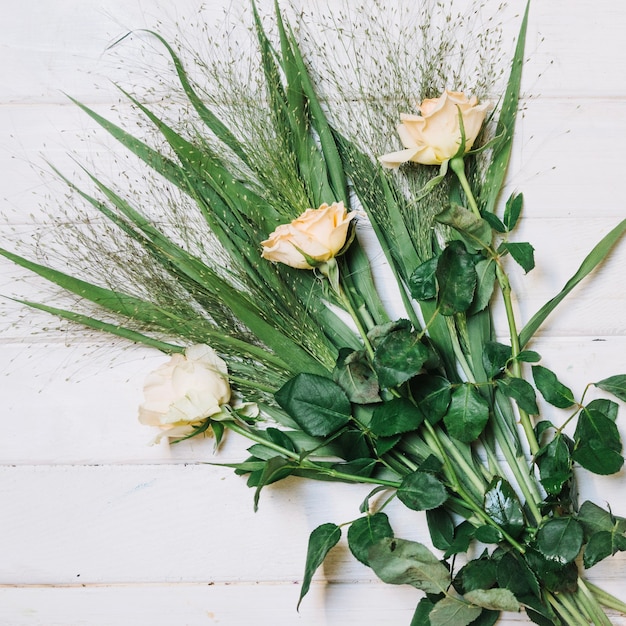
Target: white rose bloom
[{"x": 185, "y": 390}]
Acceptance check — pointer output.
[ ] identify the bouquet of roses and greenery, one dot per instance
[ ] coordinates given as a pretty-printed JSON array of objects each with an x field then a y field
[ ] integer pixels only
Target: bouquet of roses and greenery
[{"x": 262, "y": 293}]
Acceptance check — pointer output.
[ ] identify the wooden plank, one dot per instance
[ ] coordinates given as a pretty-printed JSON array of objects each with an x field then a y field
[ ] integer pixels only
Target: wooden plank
[
  {"x": 65, "y": 47},
  {"x": 202, "y": 605},
  {"x": 193, "y": 523}
]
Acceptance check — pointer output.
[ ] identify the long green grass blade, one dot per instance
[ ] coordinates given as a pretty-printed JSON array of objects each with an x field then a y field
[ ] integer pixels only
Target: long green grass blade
[
  {"x": 113, "y": 329},
  {"x": 208, "y": 179},
  {"x": 494, "y": 177},
  {"x": 221, "y": 131},
  {"x": 593, "y": 259},
  {"x": 164, "y": 166},
  {"x": 374, "y": 192},
  {"x": 115, "y": 301},
  {"x": 291, "y": 114},
  {"x": 297, "y": 71},
  {"x": 126, "y": 226}
]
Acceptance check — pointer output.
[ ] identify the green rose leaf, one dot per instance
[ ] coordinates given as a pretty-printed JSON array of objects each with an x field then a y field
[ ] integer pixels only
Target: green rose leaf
[
  {"x": 495, "y": 357},
  {"x": 396, "y": 416},
  {"x": 615, "y": 385},
  {"x": 478, "y": 573},
  {"x": 275, "y": 469},
  {"x": 467, "y": 414},
  {"x": 601, "y": 545},
  {"x": 432, "y": 395},
  {"x": 607, "y": 407},
  {"x": 399, "y": 357},
  {"x": 522, "y": 392},
  {"x": 422, "y": 611},
  {"x": 351, "y": 444},
  {"x": 503, "y": 507},
  {"x": 431, "y": 464},
  {"x": 597, "y": 443},
  {"x": 356, "y": 467},
  {"x": 554, "y": 576},
  {"x": 494, "y": 599},
  {"x": 317, "y": 404},
  {"x": 542, "y": 427},
  {"x": 494, "y": 221},
  {"x": 487, "y": 534},
  {"x": 380, "y": 331},
  {"x": 275, "y": 435},
  {"x": 551, "y": 389},
  {"x": 456, "y": 277},
  {"x": 546, "y": 618},
  {"x": 512, "y": 210},
  {"x": 365, "y": 505},
  {"x": 463, "y": 535},
  {"x": 595, "y": 519},
  {"x": 486, "y": 618},
  {"x": 453, "y": 612},
  {"x": 603, "y": 531},
  {"x": 403, "y": 562},
  {"x": 441, "y": 527},
  {"x": 486, "y": 279},
  {"x": 365, "y": 532},
  {"x": 522, "y": 253},
  {"x": 423, "y": 282},
  {"x": 514, "y": 574},
  {"x": 475, "y": 231},
  {"x": 354, "y": 374},
  {"x": 421, "y": 491},
  {"x": 555, "y": 464},
  {"x": 560, "y": 539},
  {"x": 385, "y": 444},
  {"x": 528, "y": 356},
  {"x": 321, "y": 541}
]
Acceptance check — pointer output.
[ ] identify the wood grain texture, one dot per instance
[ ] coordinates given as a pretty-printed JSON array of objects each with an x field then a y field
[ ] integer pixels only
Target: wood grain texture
[{"x": 100, "y": 528}]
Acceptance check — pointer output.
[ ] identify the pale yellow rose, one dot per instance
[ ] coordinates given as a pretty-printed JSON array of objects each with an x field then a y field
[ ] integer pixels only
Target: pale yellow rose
[
  {"x": 318, "y": 234},
  {"x": 184, "y": 391},
  {"x": 434, "y": 136}
]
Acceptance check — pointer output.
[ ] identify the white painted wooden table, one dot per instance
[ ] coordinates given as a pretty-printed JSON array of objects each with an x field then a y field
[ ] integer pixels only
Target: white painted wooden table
[{"x": 97, "y": 527}]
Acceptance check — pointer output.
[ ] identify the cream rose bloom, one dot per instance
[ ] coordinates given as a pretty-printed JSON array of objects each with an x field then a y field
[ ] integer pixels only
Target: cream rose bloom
[
  {"x": 185, "y": 390},
  {"x": 434, "y": 136},
  {"x": 318, "y": 233}
]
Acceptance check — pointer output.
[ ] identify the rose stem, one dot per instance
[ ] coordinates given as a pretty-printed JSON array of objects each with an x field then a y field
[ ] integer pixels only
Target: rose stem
[
  {"x": 294, "y": 456},
  {"x": 458, "y": 167},
  {"x": 605, "y": 598},
  {"x": 330, "y": 269}
]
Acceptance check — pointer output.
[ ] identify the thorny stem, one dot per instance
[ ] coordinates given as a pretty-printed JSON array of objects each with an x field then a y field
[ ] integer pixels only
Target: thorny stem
[
  {"x": 520, "y": 471},
  {"x": 458, "y": 167},
  {"x": 588, "y": 600},
  {"x": 570, "y": 619},
  {"x": 606, "y": 599},
  {"x": 505, "y": 287},
  {"x": 468, "y": 500},
  {"x": 330, "y": 269},
  {"x": 306, "y": 464}
]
